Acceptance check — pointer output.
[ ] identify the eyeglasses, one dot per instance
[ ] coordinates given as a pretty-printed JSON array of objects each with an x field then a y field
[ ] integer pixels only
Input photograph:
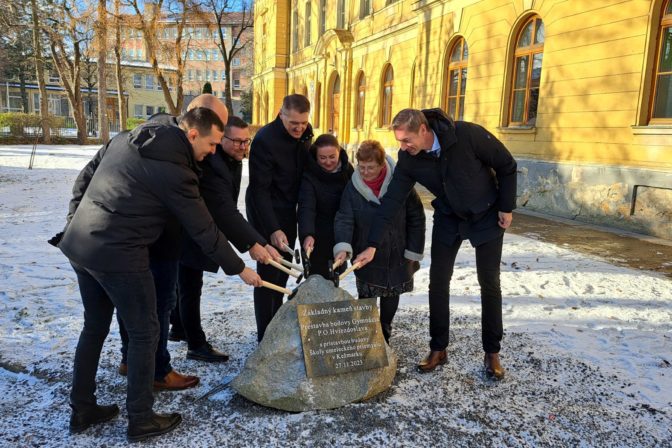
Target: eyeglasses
[{"x": 237, "y": 142}]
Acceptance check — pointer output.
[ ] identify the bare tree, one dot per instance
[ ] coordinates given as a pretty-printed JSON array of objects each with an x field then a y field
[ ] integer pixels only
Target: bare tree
[
  {"x": 101, "y": 44},
  {"x": 121, "y": 100},
  {"x": 151, "y": 23},
  {"x": 39, "y": 71},
  {"x": 239, "y": 21},
  {"x": 66, "y": 34}
]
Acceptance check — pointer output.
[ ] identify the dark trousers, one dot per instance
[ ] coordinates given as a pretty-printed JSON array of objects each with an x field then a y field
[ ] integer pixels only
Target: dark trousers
[
  {"x": 165, "y": 284},
  {"x": 266, "y": 301},
  {"x": 388, "y": 308},
  {"x": 134, "y": 297},
  {"x": 488, "y": 259},
  {"x": 187, "y": 317}
]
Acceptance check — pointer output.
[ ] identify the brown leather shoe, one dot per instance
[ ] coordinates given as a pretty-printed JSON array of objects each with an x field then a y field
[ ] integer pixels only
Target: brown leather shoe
[
  {"x": 434, "y": 359},
  {"x": 493, "y": 369},
  {"x": 176, "y": 381},
  {"x": 123, "y": 369}
]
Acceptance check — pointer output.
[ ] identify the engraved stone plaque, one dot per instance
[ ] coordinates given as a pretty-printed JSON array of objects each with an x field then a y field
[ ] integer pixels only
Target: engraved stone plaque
[{"x": 340, "y": 337}]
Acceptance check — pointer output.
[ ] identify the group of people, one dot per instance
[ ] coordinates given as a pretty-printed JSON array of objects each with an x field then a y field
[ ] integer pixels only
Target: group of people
[{"x": 156, "y": 207}]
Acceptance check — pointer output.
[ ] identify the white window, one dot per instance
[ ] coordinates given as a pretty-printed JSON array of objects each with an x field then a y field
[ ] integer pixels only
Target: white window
[
  {"x": 190, "y": 75},
  {"x": 137, "y": 110},
  {"x": 150, "y": 111},
  {"x": 223, "y": 75},
  {"x": 215, "y": 75},
  {"x": 191, "y": 55},
  {"x": 131, "y": 53},
  {"x": 137, "y": 81},
  {"x": 198, "y": 33},
  {"x": 149, "y": 81},
  {"x": 207, "y": 75},
  {"x": 199, "y": 76},
  {"x": 236, "y": 83},
  {"x": 235, "y": 62},
  {"x": 199, "y": 55}
]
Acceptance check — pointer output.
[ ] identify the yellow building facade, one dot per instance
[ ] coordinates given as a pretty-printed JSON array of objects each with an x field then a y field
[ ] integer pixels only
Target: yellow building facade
[{"x": 579, "y": 91}]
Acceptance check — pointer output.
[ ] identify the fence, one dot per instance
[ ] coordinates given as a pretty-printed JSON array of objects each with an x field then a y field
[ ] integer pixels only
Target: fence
[{"x": 67, "y": 130}]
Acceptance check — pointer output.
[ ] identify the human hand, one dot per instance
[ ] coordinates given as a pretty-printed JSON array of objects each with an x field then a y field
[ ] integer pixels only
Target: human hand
[
  {"x": 505, "y": 219},
  {"x": 260, "y": 254},
  {"x": 250, "y": 277},
  {"x": 365, "y": 257},
  {"x": 308, "y": 244},
  {"x": 340, "y": 258},
  {"x": 279, "y": 239},
  {"x": 273, "y": 252}
]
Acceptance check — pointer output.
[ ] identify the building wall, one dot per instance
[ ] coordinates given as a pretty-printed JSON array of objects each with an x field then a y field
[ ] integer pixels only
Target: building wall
[{"x": 591, "y": 155}]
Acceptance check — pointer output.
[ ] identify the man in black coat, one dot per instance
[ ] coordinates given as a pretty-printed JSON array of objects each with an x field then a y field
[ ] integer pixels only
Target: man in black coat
[
  {"x": 277, "y": 157},
  {"x": 473, "y": 177},
  {"x": 220, "y": 187},
  {"x": 144, "y": 177}
]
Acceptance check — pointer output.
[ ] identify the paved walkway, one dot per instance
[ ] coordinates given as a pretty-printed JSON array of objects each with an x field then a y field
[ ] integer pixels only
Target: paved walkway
[{"x": 616, "y": 246}]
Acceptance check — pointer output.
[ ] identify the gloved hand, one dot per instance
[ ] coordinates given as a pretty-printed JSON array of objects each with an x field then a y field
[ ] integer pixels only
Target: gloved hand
[{"x": 54, "y": 240}]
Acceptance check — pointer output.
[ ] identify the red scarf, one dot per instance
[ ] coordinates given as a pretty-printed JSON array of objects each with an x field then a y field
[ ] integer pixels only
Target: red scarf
[{"x": 376, "y": 184}]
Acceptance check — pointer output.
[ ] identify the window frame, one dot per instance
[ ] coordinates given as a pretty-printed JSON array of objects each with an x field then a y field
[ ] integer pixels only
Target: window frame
[
  {"x": 665, "y": 22},
  {"x": 385, "y": 113},
  {"x": 360, "y": 100},
  {"x": 461, "y": 64},
  {"x": 528, "y": 52},
  {"x": 307, "y": 35}
]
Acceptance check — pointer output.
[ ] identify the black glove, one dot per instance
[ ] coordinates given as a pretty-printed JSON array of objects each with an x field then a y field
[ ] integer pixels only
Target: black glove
[{"x": 54, "y": 240}]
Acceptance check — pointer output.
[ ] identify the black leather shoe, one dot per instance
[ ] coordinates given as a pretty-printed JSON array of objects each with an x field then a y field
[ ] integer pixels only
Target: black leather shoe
[
  {"x": 176, "y": 336},
  {"x": 206, "y": 353},
  {"x": 157, "y": 424},
  {"x": 83, "y": 418}
]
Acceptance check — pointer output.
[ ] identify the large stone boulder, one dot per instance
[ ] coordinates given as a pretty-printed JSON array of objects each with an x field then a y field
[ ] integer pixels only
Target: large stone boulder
[{"x": 275, "y": 374}]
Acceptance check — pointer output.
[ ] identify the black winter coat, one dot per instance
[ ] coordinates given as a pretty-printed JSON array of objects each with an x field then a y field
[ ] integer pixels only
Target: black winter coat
[
  {"x": 220, "y": 187},
  {"x": 402, "y": 243},
  {"x": 319, "y": 200},
  {"x": 276, "y": 167},
  {"x": 472, "y": 180},
  {"x": 142, "y": 179}
]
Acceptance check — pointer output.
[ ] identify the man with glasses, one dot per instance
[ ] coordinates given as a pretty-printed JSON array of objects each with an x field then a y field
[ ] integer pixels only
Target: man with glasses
[{"x": 220, "y": 187}]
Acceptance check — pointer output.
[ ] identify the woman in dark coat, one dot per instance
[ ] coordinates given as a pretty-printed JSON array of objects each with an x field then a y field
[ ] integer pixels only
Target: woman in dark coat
[
  {"x": 326, "y": 173},
  {"x": 391, "y": 271}
]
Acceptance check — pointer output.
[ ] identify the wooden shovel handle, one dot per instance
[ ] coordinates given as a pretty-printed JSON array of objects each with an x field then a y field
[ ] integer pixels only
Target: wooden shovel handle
[
  {"x": 349, "y": 270},
  {"x": 274, "y": 287},
  {"x": 284, "y": 269}
]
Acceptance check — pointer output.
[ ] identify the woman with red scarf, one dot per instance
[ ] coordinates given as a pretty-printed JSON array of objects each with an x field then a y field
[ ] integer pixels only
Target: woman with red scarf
[{"x": 391, "y": 271}]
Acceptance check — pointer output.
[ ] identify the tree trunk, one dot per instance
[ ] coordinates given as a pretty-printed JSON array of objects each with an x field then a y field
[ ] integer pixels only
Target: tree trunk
[
  {"x": 227, "y": 86},
  {"x": 101, "y": 34},
  {"x": 121, "y": 100},
  {"x": 39, "y": 68}
]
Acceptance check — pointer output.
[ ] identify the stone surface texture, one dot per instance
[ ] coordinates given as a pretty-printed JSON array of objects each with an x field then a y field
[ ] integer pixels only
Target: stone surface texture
[{"x": 275, "y": 374}]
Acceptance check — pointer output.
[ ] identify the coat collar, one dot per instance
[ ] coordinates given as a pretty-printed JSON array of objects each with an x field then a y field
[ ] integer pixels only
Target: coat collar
[{"x": 365, "y": 191}]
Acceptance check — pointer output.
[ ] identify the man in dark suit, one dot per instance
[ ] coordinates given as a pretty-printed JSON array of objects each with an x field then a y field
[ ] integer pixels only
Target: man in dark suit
[
  {"x": 277, "y": 157},
  {"x": 473, "y": 177},
  {"x": 220, "y": 187}
]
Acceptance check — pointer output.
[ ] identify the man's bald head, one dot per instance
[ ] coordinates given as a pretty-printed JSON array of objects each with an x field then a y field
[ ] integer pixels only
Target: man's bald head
[{"x": 211, "y": 102}]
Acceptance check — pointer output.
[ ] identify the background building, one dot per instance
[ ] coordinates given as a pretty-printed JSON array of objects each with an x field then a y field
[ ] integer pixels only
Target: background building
[{"x": 580, "y": 91}]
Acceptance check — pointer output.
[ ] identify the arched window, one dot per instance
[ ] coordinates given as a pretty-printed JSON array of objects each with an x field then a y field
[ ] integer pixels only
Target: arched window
[
  {"x": 359, "y": 101},
  {"x": 661, "y": 108},
  {"x": 364, "y": 8},
  {"x": 323, "y": 18},
  {"x": 318, "y": 105},
  {"x": 295, "y": 31},
  {"x": 386, "y": 97},
  {"x": 334, "y": 105},
  {"x": 456, "y": 79},
  {"x": 306, "y": 35},
  {"x": 340, "y": 14},
  {"x": 527, "y": 73}
]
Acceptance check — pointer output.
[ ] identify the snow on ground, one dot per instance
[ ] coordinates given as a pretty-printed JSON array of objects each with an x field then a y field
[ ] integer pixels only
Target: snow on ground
[{"x": 588, "y": 348}]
